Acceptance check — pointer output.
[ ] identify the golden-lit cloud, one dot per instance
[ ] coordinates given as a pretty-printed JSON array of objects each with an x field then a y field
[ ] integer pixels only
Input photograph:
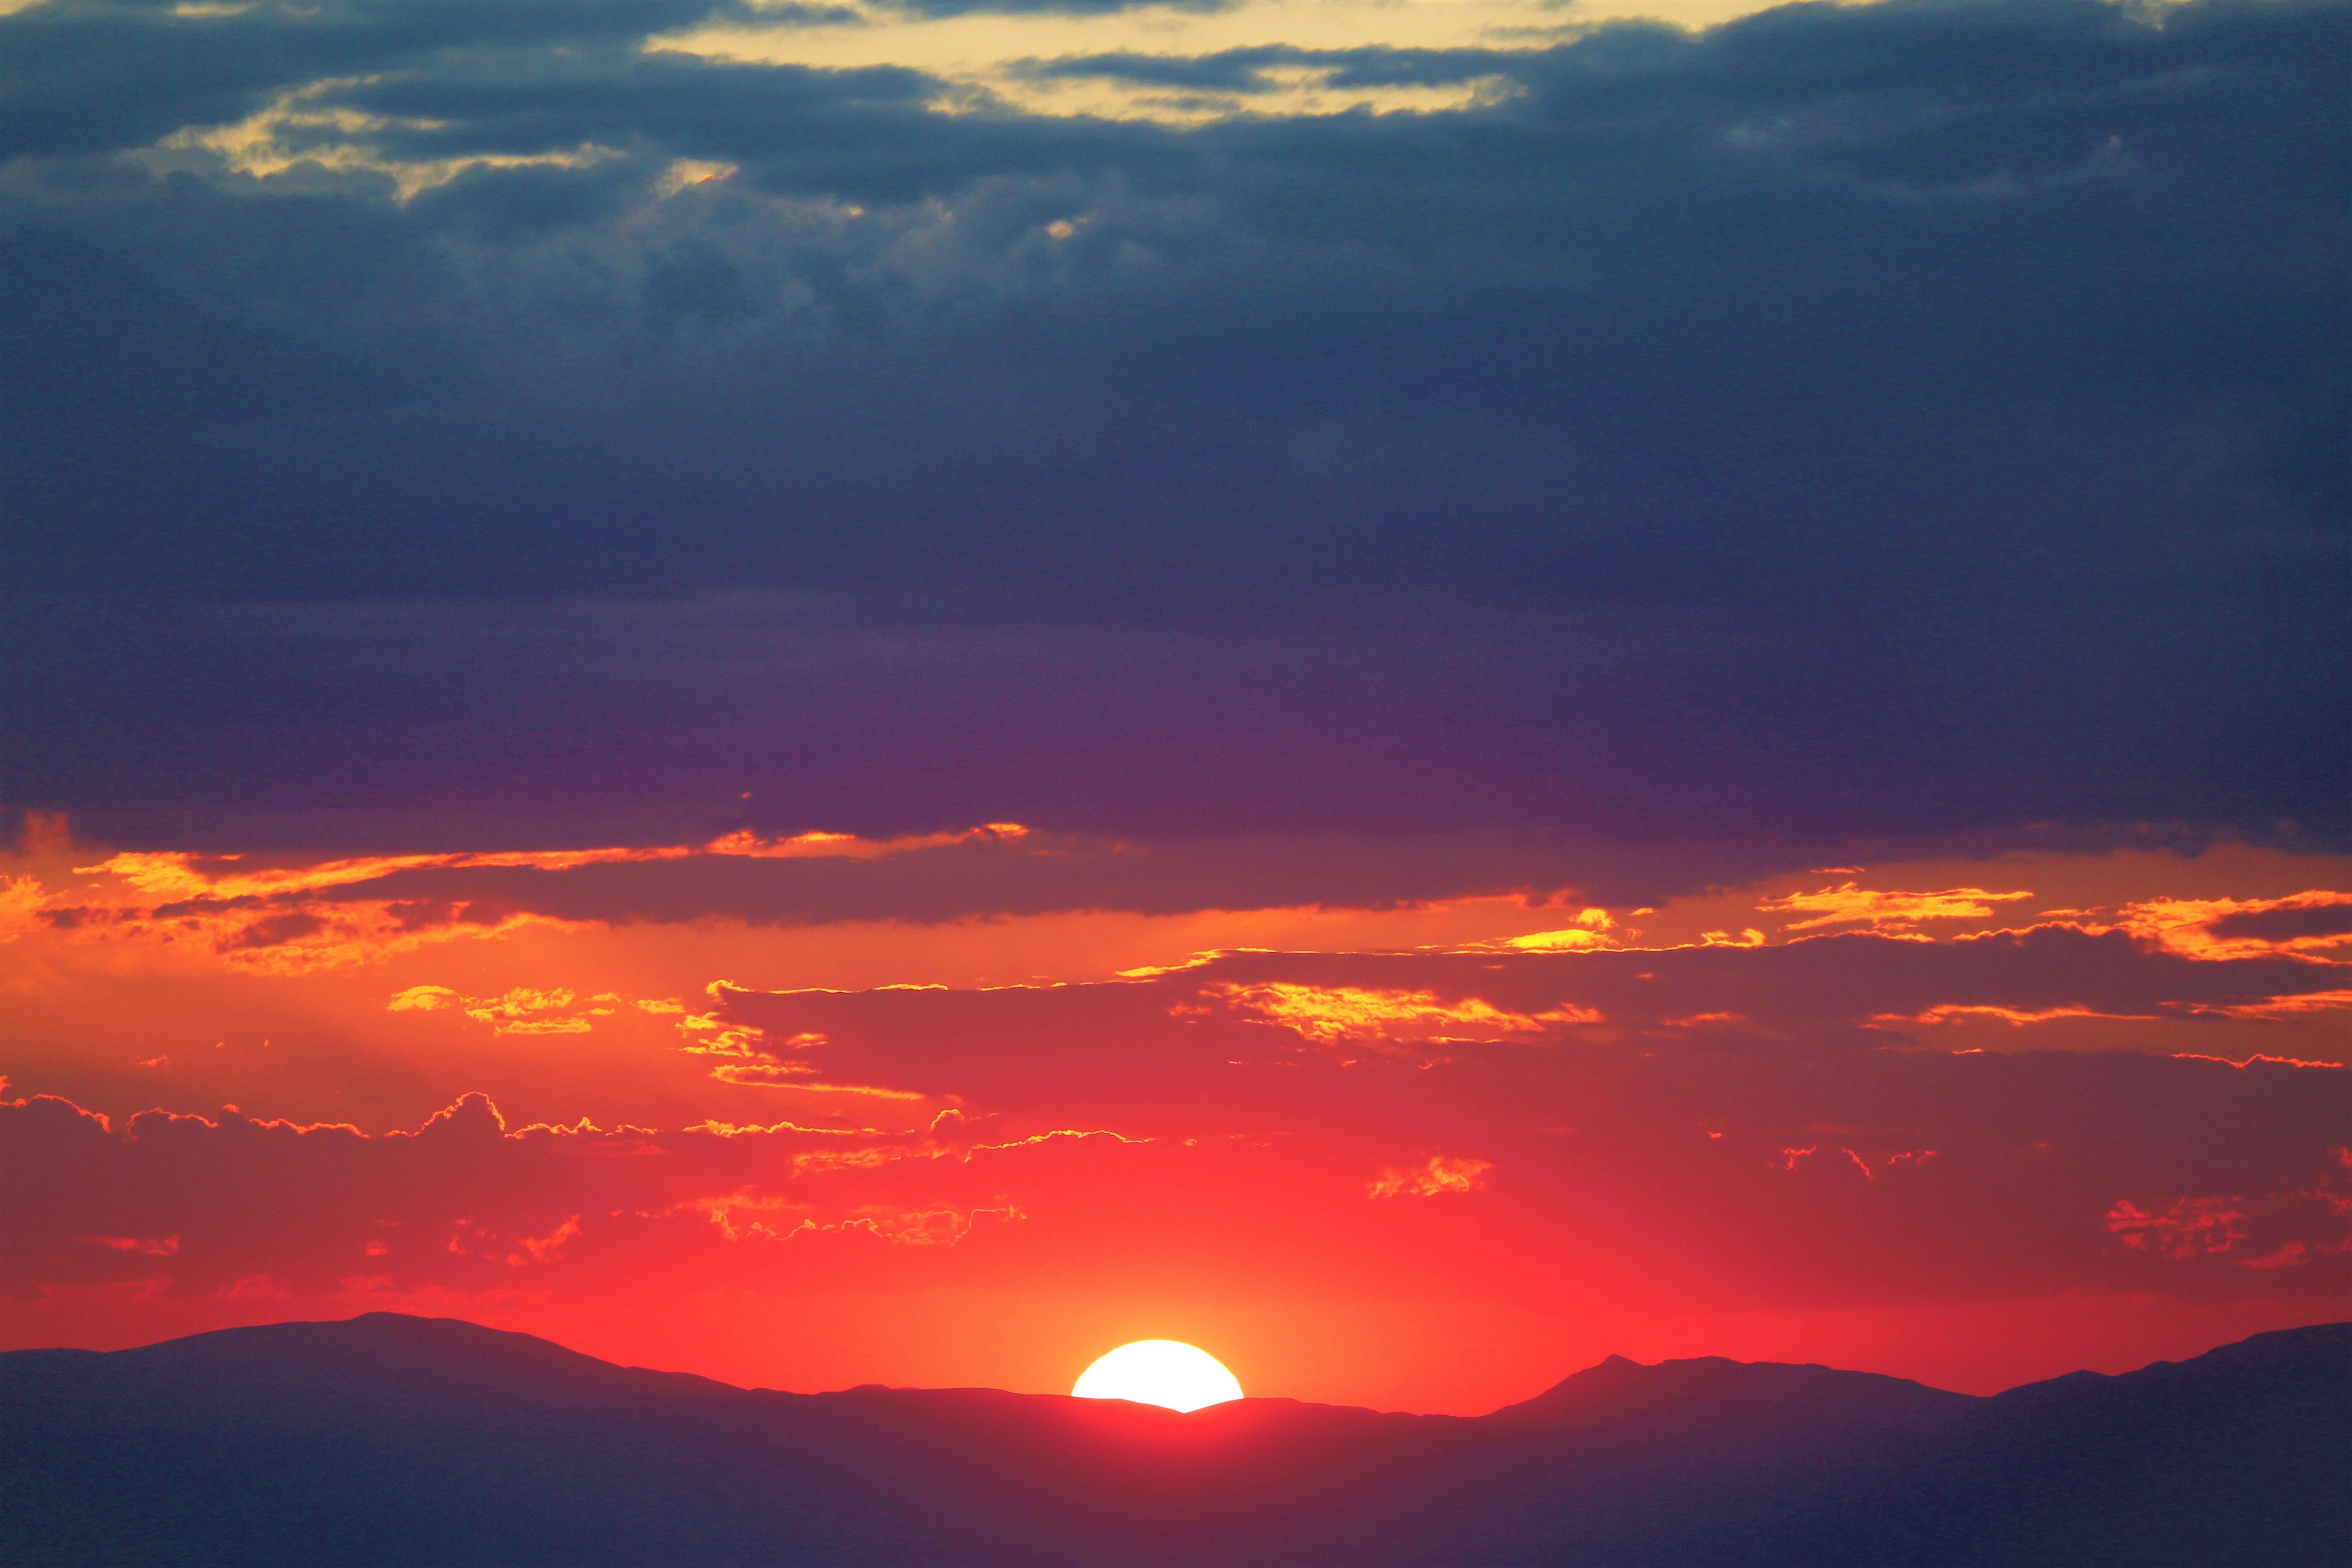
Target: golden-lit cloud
[
  {"x": 1849, "y": 903},
  {"x": 519, "y": 1010},
  {"x": 1384, "y": 1019},
  {"x": 1591, "y": 930},
  {"x": 297, "y": 128},
  {"x": 988, "y": 60},
  {"x": 179, "y": 875}
]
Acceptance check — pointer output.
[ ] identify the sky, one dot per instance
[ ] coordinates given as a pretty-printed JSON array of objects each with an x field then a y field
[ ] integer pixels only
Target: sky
[{"x": 863, "y": 693}]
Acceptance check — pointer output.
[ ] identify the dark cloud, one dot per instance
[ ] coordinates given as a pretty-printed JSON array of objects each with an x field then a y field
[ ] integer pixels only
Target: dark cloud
[
  {"x": 966, "y": 881},
  {"x": 593, "y": 723},
  {"x": 1930, "y": 406},
  {"x": 460, "y": 1201},
  {"x": 84, "y": 77},
  {"x": 1250, "y": 69},
  {"x": 2285, "y": 925},
  {"x": 1061, "y": 7}
]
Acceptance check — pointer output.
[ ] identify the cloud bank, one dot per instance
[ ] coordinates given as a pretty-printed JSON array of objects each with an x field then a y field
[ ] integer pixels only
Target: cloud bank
[{"x": 1897, "y": 418}]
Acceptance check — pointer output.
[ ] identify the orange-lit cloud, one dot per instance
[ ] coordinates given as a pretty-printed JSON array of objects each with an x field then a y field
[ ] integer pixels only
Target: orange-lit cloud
[
  {"x": 2188, "y": 1227},
  {"x": 2316, "y": 924},
  {"x": 2279, "y": 1006},
  {"x": 1436, "y": 1176},
  {"x": 179, "y": 875},
  {"x": 850, "y": 847},
  {"x": 2280, "y": 1230},
  {"x": 1945, "y": 1012},
  {"x": 299, "y": 916}
]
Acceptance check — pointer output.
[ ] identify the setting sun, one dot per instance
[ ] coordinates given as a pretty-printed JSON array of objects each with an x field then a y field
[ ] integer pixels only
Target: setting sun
[{"x": 1158, "y": 1372}]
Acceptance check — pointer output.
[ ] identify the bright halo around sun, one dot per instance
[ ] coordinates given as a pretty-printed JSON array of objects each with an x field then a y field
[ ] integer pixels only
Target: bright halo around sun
[{"x": 1158, "y": 1372}]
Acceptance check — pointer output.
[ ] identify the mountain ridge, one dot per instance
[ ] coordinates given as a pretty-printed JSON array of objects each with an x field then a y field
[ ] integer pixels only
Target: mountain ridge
[
  {"x": 435, "y": 1443},
  {"x": 554, "y": 1352}
]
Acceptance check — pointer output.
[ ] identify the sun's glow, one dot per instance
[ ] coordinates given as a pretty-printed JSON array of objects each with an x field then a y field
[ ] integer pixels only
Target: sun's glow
[{"x": 1158, "y": 1372}]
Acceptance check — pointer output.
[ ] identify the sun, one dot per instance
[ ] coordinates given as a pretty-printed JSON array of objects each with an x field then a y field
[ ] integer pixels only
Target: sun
[{"x": 1158, "y": 1372}]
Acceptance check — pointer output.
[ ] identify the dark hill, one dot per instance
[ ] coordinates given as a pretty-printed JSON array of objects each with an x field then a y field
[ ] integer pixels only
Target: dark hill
[
  {"x": 2239, "y": 1455},
  {"x": 1675, "y": 1398},
  {"x": 420, "y": 1443}
]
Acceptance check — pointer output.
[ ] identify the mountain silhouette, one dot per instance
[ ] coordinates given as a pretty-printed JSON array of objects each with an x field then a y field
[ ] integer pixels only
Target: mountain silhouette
[
  {"x": 421, "y": 1443},
  {"x": 1677, "y": 1398}
]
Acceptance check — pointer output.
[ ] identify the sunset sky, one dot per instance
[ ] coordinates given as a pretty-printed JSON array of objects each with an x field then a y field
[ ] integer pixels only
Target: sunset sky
[{"x": 835, "y": 693}]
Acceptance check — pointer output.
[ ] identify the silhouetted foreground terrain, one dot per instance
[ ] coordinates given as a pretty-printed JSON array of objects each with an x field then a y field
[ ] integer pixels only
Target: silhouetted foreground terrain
[{"x": 401, "y": 1440}]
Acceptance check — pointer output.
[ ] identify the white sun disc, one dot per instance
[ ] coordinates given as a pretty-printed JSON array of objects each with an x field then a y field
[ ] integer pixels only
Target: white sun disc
[{"x": 1158, "y": 1372}]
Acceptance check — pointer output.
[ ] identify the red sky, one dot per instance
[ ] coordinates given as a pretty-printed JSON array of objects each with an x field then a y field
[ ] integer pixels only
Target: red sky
[{"x": 1423, "y": 1123}]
